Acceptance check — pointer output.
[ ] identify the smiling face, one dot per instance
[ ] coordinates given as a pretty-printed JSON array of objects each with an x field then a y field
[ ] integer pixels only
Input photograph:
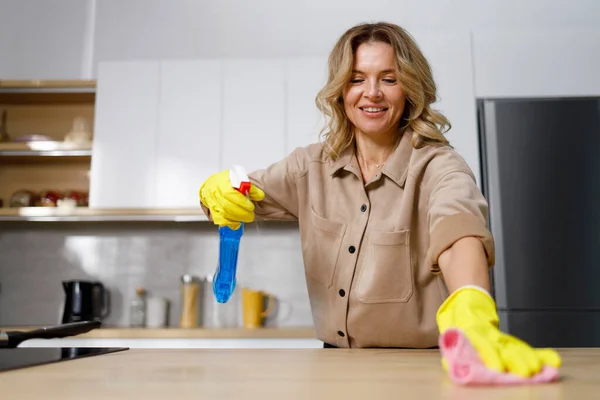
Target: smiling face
[{"x": 373, "y": 98}]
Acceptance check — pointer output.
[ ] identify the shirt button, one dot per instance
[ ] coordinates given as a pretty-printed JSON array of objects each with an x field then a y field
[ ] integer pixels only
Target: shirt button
[
  {"x": 363, "y": 208},
  {"x": 351, "y": 249},
  {"x": 341, "y": 334},
  {"x": 342, "y": 292}
]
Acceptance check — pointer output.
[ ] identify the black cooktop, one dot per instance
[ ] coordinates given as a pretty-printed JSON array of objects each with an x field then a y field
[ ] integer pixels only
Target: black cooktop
[{"x": 23, "y": 357}]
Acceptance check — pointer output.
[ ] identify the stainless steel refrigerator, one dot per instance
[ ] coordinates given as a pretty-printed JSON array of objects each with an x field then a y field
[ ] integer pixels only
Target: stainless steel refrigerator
[{"x": 541, "y": 175}]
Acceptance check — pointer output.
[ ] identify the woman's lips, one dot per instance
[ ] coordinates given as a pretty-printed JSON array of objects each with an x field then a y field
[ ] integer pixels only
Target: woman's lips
[{"x": 373, "y": 112}]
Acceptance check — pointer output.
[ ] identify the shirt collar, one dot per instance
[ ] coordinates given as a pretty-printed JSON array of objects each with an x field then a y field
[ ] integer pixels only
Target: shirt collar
[
  {"x": 343, "y": 160},
  {"x": 396, "y": 167}
]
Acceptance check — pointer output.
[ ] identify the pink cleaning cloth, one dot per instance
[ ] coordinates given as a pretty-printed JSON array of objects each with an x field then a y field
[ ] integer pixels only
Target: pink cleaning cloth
[{"x": 466, "y": 368}]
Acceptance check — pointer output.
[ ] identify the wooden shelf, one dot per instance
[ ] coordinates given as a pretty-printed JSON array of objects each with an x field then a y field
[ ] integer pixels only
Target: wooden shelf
[
  {"x": 42, "y": 214},
  {"x": 50, "y": 108},
  {"x": 50, "y": 92},
  {"x": 45, "y": 84},
  {"x": 45, "y": 148},
  {"x": 192, "y": 333},
  {"x": 38, "y": 86}
]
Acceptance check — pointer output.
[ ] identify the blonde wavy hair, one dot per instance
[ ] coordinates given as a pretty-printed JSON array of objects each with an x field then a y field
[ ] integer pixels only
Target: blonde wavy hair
[{"x": 414, "y": 74}]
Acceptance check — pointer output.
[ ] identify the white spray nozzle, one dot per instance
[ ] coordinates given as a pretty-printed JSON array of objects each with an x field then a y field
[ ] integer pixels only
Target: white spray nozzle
[{"x": 239, "y": 179}]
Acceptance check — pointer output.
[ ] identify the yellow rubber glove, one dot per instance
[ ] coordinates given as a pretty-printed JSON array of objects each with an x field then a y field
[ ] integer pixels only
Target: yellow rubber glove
[
  {"x": 227, "y": 206},
  {"x": 474, "y": 312}
]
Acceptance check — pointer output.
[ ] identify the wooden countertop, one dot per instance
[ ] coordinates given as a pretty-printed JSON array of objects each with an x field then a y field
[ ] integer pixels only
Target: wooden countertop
[
  {"x": 191, "y": 333},
  {"x": 279, "y": 374}
]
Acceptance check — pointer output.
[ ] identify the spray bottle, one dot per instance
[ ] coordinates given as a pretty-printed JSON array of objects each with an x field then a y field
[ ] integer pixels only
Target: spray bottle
[{"x": 224, "y": 279}]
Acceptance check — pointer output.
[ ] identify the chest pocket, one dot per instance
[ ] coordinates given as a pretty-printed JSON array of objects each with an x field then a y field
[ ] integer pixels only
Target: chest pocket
[
  {"x": 321, "y": 248},
  {"x": 386, "y": 274}
]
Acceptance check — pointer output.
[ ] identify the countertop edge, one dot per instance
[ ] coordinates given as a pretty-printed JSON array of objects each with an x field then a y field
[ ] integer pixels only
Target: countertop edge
[{"x": 188, "y": 333}]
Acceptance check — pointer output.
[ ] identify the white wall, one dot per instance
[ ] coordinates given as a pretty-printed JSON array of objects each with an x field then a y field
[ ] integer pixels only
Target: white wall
[
  {"x": 268, "y": 28},
  {"x": 66, "y": 38}
]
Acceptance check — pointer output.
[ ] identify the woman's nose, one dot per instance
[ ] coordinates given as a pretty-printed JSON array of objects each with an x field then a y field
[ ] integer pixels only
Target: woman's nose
[{"x": 372, "y": 90}]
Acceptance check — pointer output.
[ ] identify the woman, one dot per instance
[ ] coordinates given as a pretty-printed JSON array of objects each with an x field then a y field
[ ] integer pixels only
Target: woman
[{"x": 391, "y": 218}]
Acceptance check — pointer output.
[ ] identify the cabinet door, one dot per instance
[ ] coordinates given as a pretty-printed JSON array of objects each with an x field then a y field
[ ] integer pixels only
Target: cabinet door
[
  {"x": 304, "y": 78},
  {"x": 123, "y": 158},
  {"x": 189, "y": 130},
  {"x": 46, "y": 39},
  {"x": 152, "y": 29},
  {"x": 253, "y": 113}
]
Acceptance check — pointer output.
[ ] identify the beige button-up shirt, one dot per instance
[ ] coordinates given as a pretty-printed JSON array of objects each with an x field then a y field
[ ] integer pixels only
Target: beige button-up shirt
[{"x": 370, "y": 251}]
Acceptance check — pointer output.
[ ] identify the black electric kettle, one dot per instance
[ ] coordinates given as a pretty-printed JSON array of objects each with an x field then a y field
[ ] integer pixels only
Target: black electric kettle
[{"x": 85, "y": 301}]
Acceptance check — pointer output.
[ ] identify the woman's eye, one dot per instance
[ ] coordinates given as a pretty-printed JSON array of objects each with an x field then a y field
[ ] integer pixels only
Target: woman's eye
[
  {"x": 356, "y": 80},
  {"x": 389, "y": 80}
]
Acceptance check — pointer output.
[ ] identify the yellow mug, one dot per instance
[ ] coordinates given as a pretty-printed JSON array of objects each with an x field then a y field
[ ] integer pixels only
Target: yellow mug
[{"x": 253, "y": 303}]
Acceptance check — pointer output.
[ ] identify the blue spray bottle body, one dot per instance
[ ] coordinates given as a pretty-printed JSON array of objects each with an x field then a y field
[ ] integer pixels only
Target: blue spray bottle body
[
  {"x": 224, "y": 280},
  {"x": 225, "y": 276}
]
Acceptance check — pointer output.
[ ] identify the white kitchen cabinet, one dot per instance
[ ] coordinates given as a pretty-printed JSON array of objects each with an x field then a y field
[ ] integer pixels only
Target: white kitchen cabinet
[
  {"x": 162, "y": 127},
  {"x": 123, "y": 168},
  {"x": 304, "y": 78},
  {"x": 253, "y": 112},
  {"x": 42, "y": 40},
  {"x": 189, "y": 130},
  {"x": 150, "y": 30},
  {"x": 536, "y": 62}
]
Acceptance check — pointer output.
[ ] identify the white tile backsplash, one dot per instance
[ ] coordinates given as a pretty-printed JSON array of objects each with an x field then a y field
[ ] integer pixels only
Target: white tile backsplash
[{"x": 36, "y": 257}]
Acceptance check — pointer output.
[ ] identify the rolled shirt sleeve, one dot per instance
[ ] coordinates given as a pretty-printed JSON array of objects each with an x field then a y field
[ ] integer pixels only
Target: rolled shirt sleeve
[{"x": 457, "y": 209}]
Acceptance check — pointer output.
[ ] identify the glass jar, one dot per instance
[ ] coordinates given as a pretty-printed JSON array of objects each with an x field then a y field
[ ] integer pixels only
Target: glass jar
[
  {"x": 190, "y": 297},
  {"x": 137, "y": 309}
]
